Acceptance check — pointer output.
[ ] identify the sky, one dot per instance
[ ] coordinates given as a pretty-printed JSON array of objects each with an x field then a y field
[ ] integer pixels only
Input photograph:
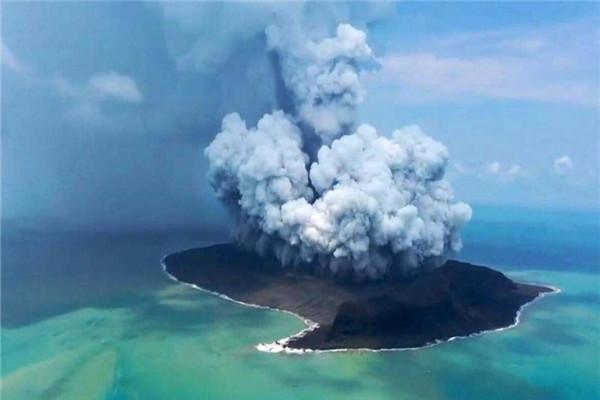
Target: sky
[
  {"x": 107, "y": 107},
  {"x": 511, "y": 89}
]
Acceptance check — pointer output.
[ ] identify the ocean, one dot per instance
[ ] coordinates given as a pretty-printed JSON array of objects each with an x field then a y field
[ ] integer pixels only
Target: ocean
[{"x": 92, "y": 316}]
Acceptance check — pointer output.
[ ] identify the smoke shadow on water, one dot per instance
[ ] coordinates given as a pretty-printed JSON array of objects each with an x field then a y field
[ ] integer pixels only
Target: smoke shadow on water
[{"x": 52, "y": 274}]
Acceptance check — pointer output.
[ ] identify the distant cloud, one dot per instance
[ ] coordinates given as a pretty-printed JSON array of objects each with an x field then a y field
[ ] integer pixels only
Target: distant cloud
[
  {"x": 495, "y": 168},
  {"x": 116, "y": 86},
  {"x": 549, "y": 64},
  {"x": 513, "y": 170},
  {"x": 504, "y": 78},
  {"x": 102, "y": 87},
  {"x": 89, "y": 98},
  {"x": 458, "y": 168},
  {"x": 529, "y": 44},
  {"x": 11, "y": 61},
  {"x": 563, "y": 164}
]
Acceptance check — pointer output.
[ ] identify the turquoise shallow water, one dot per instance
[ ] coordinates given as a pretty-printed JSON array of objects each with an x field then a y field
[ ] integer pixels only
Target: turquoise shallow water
[{"x": 95, "y": 318}]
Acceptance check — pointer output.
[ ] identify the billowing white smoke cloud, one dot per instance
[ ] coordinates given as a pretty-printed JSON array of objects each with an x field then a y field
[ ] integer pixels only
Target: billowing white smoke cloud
[
  {"x": 261, "y": 168},
  {"x": 324, "y": 77},
  {"x": 365, "y": 205}
]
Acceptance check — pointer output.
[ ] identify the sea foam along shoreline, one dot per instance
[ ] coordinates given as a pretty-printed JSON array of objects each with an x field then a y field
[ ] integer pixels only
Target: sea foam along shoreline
[{"x": 280, "y": 345}]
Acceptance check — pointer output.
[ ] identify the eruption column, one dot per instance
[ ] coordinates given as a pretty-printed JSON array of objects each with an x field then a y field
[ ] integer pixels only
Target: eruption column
[{"x": 365, "y": 205}]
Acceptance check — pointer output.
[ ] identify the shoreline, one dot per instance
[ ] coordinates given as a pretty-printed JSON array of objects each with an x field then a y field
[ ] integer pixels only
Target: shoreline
[{"x": 280, "y": 345}]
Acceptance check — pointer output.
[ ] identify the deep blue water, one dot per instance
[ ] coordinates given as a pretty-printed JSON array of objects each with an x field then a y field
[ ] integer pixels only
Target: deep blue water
[{"x": 517, "y": 238}]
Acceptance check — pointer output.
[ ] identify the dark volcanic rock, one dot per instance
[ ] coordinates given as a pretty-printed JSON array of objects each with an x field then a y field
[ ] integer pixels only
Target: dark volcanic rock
[{"x": 456, "y": 299}]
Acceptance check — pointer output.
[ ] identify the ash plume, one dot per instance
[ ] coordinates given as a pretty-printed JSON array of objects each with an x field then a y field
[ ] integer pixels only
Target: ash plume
[
  {"x": 310, "y": 187},
  {"x": 323, "y": 77}
]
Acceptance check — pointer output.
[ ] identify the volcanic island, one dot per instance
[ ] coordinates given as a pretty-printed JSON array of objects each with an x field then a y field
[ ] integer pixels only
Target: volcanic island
[{"x": 456, "y": 299}]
